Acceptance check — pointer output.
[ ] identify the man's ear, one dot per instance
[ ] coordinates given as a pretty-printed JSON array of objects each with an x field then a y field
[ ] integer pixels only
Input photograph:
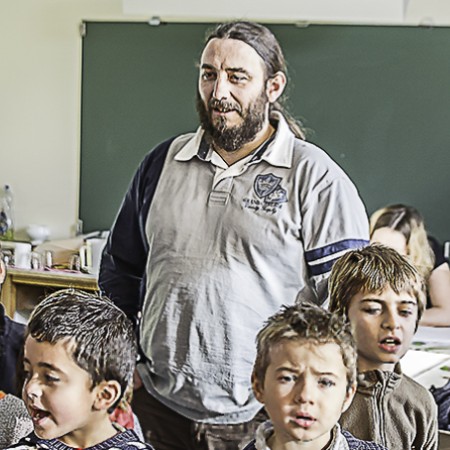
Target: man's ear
[
  {"x": 258, "y": 388},
  {"x": 275, "y": 86},
  {"x": 107, "y": 393},
  {"x": 351, "y": 391}
]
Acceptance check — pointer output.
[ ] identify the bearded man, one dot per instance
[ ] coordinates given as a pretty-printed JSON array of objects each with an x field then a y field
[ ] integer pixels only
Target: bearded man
[{"x": 219, "y": 228}]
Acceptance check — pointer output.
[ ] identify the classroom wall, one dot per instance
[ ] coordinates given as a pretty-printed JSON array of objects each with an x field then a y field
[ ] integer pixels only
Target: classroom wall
[{"x": 40, "y": 78}]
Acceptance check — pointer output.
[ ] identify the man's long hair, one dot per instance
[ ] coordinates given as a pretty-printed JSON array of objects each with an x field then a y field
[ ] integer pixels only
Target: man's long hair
[{"x": 268, "y": 48}]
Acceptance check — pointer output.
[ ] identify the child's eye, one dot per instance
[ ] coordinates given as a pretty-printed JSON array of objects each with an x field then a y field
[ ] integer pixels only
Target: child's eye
[
  {"x": 406, "y": 312},
  {"x": 372, "y": 311},
  {"x": 287, "y": 378},
  {"x": 51, "y": 379},
  {"x": 26, "y": 374},
  {"x": 326, "y": 382}
]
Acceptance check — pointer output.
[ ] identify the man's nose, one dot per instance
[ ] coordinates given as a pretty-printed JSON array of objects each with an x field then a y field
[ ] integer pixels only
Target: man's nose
[{"x": 221, "y": 88}]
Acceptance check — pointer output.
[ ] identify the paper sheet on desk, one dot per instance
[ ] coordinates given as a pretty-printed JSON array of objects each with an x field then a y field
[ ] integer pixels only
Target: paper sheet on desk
[
  {"x": 417, "y": 362},
  {"x": 433, "y": 334},
  {"x": 432, "y": 339}
]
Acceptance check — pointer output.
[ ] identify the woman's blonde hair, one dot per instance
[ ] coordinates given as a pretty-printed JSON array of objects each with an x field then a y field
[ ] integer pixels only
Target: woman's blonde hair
[{"x": 409, "y": 222}]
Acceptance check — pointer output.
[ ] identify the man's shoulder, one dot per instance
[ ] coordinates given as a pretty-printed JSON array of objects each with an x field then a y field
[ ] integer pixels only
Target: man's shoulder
[
  {"x": 312, "y": 158},
  {"x": 309, "y": 149},
  {"x": 158, "y": 154}
]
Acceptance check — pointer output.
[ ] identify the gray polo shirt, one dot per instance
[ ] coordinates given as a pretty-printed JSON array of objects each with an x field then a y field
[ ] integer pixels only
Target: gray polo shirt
[{"x": 228, "y": 247}]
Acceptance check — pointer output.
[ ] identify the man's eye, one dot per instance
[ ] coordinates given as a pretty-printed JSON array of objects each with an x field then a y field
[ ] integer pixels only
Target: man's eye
[
  {"x": 235, "y": 78},
  {"x": 207, "y": 76}
]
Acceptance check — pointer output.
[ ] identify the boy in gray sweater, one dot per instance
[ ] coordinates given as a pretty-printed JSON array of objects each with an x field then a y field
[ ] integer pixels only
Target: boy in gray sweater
[{"x": 383, "y": 297}]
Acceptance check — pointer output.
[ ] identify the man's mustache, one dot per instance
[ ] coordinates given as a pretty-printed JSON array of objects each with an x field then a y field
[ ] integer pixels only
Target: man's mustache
[{"x": 224, "y": 106}]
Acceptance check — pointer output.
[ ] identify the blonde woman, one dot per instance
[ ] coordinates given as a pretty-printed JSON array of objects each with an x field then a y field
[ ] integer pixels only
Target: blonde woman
[{"x": 402, "y": 228}]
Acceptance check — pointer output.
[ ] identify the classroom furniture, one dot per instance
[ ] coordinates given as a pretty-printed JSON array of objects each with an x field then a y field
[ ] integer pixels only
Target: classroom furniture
[
  {"x": 444, "y": 440},
  {"x": 24, "y": 288},
  {"x": 376, "y": 98},
  {"x": 428, "y": 360}
]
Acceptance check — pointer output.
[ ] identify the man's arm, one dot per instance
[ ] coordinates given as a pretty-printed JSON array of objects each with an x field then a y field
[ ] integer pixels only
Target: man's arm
[
  {"x": 334, "y": 222},
  {"x": 122, "y": 269}
]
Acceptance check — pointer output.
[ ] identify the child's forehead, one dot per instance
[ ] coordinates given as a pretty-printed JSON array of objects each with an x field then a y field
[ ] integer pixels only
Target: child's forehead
[
  {"x": 301, "y": 346},
  {"x": 60, "y": 349},
  {"x": 386, "y": 294},
  {"x": 307, "y": 355}
]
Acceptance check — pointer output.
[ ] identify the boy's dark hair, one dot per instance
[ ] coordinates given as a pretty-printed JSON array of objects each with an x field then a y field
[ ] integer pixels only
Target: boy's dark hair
[
  {"x": 372, "y": 269},
  {"x": 104, "y": 343},
  {"x": 305, "y": 322}
]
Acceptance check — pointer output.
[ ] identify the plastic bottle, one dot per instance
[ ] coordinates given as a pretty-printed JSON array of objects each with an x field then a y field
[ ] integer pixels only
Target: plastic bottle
[{"x": 7, "y": 214}]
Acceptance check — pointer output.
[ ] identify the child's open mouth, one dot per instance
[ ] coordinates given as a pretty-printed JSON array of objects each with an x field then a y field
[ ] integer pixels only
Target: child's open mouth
[
  {"x": 304, "y": 420},
  {"x": 37, "y": 415},
  {"x": 390, "y": 344}
]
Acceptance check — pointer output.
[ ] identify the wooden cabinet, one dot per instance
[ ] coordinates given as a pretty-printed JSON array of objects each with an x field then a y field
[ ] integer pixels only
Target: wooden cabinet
[{"x": 24, "y": 288}]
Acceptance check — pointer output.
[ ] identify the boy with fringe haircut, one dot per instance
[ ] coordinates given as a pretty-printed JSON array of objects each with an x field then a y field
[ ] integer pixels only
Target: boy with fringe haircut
[
  {"x": 383, "y": 296},
  {"x": 305, "y": 375},
  {"x": 79, "y": 358}
]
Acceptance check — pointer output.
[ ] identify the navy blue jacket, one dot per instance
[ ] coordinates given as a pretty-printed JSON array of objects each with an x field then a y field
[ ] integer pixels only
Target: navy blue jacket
[
  {"x": 126, "y": 251},
  {"x": 11, "y": 346}
]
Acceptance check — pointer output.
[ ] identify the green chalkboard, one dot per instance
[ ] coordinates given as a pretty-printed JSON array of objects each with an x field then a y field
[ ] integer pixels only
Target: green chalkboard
[{"x": 377, "y": 99}]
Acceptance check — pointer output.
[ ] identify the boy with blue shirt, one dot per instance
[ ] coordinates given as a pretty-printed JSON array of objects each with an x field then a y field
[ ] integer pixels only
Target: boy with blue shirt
[
  {"x": 79, "y": 358},
  {"x": 305, "y": 375},
  {"x": 383, "y": 297}
]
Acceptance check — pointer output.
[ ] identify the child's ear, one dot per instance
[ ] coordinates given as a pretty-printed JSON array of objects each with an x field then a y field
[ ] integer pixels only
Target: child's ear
[
  {"x": 107, "y": 393},
  {"x": 2, "y": 271},
  {"x": 349, "y": 397},
  {"x": 258, "y": 388}
]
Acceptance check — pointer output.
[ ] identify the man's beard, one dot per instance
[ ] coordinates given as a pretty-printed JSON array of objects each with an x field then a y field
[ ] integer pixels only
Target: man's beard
[{"x": 233, "y": 138}]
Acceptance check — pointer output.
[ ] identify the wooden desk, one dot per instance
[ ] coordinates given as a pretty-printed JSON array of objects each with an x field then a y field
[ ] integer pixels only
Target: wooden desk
[{"x": 24, "y": 288}]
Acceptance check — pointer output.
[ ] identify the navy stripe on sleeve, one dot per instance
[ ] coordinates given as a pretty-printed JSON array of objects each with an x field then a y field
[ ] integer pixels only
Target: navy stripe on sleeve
[
  {"x": 322, "y": 268},
  {"x": 336, "y": 247}
]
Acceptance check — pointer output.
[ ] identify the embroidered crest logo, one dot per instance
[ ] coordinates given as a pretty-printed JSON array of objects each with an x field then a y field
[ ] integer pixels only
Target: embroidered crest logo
[
  {"x": 270, "y": 194},
  {"x": 265, "y": 184}
]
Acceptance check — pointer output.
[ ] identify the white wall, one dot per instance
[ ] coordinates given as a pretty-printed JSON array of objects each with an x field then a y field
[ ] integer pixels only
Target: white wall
[
  {"x": 40, "y": 79},
  {"x": 376, "y": 12}
]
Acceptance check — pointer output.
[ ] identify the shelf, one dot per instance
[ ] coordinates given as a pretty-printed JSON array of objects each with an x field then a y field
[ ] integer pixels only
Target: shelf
[{"x": 23, "y": 289}]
